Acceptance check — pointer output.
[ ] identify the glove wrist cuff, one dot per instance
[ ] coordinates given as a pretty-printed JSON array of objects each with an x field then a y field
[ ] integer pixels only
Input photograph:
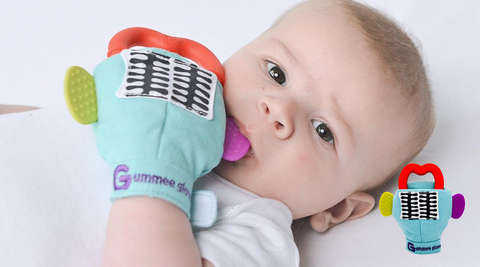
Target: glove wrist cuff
[
  {"x": 424, "y": 247},
  {"x": 153, "y": 178}
]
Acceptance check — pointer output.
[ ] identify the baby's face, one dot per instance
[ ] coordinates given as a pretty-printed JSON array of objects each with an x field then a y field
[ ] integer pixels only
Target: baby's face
[{"x": 311, "y": 99}]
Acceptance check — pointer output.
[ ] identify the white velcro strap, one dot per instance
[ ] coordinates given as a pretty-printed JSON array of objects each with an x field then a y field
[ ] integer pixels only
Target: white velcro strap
[{"x": 203, "y": 212}]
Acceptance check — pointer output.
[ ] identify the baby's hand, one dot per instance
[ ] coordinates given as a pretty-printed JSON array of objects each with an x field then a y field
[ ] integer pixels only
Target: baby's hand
[
  {"x": 158, "y": 117},
  {"x": 6, "y": 109},
  {"x": 153, "y": 131}
]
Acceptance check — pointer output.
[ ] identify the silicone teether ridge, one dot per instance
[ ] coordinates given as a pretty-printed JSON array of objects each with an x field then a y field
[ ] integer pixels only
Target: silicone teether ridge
[
  {"x": 236, "y": 145},
  {"x": 80, "y": 95},
  {"x": 386, "y": 204}
]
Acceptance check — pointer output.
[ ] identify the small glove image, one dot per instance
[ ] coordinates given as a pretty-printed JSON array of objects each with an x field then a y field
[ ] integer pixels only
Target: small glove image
[
  {"x": 157, "y": 111},
  {"x": 422, "y": 209}
]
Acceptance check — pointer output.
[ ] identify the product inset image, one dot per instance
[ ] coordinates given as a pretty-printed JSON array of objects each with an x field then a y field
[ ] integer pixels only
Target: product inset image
[{"x": 422, "y": 208}]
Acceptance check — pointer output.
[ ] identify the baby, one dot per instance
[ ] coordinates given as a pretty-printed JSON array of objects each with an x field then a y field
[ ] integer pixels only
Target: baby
[{"x": 334, "y": 100}]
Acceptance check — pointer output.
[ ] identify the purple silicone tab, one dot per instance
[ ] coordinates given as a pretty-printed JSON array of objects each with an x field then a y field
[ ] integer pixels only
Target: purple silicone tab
[
  {"x": 236, "y": 145},
  {"x": 458, "y": 206}
]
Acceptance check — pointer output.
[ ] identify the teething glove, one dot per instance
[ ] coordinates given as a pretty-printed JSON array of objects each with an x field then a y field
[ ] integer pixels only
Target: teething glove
[
  {"x": 422, "y": 209},
  {"x": 161, "y": 123},
  {"x": 423, "y": 215}
]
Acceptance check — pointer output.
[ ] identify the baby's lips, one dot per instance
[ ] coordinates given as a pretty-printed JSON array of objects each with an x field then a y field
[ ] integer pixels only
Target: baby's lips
[{"x": 236, "y": 145}]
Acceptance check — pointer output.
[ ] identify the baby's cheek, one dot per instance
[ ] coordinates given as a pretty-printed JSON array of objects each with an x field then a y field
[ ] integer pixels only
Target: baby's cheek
[
  {"x": 306, "y": 165},
  {"x": 305, "y": 161},
  {"x": 302, "y": 158}
]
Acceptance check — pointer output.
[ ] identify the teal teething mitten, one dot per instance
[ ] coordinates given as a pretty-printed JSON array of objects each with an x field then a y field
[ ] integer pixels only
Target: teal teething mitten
[
  {"x": 161, "y": 123},
  {"x": 422, "y": 209},
  {"x": 158, "y": 117}
]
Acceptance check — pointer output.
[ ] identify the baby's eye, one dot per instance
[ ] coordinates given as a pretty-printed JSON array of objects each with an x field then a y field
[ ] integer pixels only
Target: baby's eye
[
  {"x": 323, "y": 131},
  {"x": 276, "y": 73}
]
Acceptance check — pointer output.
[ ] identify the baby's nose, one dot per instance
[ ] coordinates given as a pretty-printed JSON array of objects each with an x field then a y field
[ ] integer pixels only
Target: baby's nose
[{"x": 279, "y": 115}]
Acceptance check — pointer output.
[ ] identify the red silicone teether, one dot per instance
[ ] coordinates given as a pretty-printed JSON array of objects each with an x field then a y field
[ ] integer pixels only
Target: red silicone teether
[
  {"x": 138, "y": 36},
  {"x": 236, "y": 145},
  {"x": 420, "y": 170}
]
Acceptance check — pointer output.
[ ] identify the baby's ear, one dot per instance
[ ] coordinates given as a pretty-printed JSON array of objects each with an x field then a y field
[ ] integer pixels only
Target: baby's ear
[{"x": 354, "y": 206}]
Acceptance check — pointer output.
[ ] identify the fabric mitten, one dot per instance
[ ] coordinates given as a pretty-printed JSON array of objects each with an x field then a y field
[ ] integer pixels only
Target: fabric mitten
[
  {"x": 422, "y": 209},
  {"x": 160, "y": 120}
]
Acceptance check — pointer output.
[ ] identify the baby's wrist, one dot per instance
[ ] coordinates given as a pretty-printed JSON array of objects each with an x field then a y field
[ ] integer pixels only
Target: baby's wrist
[{"x": 145, "y": 204}]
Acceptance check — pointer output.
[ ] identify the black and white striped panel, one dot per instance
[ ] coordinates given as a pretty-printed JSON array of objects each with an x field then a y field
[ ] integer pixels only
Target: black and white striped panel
[
  {"x": 409, "y": 205},
  {"x": 428, "y": 204},
  {"x": 419, "y": 205},
  {"x": 153, "y": 75}
]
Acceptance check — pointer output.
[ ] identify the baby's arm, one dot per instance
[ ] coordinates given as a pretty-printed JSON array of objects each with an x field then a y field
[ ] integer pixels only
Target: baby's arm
[{"x": 144, "y": 231}]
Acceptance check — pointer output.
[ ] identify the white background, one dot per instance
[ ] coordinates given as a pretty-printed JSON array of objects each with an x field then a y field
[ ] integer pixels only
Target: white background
[{"x": 60, "y": 222}]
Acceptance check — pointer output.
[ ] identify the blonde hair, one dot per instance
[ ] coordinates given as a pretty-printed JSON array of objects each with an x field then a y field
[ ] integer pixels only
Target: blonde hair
[{"x": 398, "y": 54}]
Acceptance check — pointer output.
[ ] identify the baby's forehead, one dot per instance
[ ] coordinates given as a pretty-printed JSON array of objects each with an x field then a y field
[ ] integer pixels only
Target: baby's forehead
[
  {"x": 316, "y": 25},
  {"x": 309, "y": 11}
]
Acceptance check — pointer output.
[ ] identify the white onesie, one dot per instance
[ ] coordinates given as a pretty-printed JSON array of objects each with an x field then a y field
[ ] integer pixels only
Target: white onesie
[{"x": 249, "y": 230}]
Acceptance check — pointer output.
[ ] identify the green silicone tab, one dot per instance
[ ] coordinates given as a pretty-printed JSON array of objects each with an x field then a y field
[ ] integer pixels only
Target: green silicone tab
[
  {"x": 81, "y": 95},
  {"x": 386, "y": 204}
]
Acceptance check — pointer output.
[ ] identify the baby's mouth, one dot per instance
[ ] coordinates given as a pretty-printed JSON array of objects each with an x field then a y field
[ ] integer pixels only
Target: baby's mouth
[
  {"x": 250, "y": 152},
  {"x": 240, "y": 127}
]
